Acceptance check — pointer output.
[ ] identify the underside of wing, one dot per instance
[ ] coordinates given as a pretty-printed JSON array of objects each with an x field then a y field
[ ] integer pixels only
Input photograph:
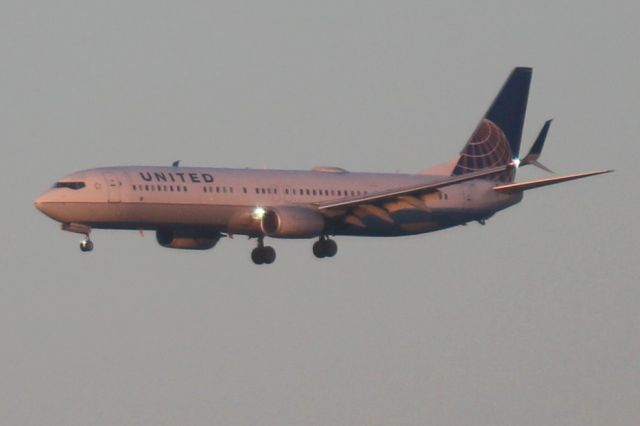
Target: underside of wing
[{"x": 531, "y": 184}]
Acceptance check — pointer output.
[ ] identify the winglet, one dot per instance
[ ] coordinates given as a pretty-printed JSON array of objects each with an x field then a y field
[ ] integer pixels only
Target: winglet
[{"x": 536, "y": 149}]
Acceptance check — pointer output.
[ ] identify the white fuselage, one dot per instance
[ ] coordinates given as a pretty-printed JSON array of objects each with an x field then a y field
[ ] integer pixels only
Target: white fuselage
[{"x": 230, "y": 200}]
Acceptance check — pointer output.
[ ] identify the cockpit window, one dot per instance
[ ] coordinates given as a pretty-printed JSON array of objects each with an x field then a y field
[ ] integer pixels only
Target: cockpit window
[{"x": 71, "y": 185}]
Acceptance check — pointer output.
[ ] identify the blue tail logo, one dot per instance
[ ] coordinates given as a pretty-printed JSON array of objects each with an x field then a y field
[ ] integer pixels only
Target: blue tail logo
[{"x": 496, "y": 139}]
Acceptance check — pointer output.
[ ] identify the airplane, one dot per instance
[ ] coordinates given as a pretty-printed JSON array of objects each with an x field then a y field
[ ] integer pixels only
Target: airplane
[{"x": 193, "y": 208}]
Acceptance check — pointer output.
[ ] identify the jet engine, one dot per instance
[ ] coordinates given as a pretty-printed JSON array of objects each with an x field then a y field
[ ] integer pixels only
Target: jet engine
[
  {"x": 187, "y": 240},
  {"x": 292, "y": 222}
]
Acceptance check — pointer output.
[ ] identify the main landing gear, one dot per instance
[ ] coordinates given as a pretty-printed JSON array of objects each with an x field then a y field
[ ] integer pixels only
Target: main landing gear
[
  {"x": 263, "y": 254},
  {"x": 324, "y": 247}
]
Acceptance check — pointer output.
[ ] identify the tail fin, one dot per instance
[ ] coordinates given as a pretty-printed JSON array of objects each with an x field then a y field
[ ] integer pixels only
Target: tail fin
[{"x": 496, "y": 139}]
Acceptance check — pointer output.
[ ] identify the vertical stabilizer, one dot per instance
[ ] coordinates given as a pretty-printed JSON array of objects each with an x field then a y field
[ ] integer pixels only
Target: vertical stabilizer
[{"x": 496, "y": 139}]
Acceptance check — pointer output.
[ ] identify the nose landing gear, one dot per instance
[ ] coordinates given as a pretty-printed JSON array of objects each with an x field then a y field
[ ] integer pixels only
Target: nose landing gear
[
  {"x": 86, "y": 245},
  {"x": 263, "y": 254},
  {"x": 324, "y": 247},
  {"x": 78, "y": 228}
]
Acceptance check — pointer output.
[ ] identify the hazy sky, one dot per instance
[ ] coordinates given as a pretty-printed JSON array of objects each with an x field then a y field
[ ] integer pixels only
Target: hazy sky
[{"x": 533, "y": 319}]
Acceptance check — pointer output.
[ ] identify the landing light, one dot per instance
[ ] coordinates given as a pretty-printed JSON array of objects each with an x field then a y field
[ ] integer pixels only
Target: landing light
[
  {"x": 258, "y": 213},
  {"x": 516, "y": 162}
]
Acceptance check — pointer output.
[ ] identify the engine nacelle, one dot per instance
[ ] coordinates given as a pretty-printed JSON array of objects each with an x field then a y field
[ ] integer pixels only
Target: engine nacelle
[
  {"x": 178, "y": 239},
  {"x": 292, "y": 222}
]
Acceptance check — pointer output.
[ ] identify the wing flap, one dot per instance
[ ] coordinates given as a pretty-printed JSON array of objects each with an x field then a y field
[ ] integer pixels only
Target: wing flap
[{"x": 531, "y": 184}]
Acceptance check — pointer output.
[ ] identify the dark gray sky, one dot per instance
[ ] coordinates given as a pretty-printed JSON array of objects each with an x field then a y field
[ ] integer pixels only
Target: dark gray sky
[{"x": 532, "y": 319}]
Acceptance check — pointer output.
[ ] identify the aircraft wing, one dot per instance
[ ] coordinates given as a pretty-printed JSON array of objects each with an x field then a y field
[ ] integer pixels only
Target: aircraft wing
[
  {"x": 522, "y": 186},
  {"x": 411, "y": 190}
]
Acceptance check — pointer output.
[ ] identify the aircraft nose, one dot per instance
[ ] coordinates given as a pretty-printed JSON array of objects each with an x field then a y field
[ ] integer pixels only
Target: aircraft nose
[
  {"x": 41, "y": 202},
  {"x": 38, "y": 203}
]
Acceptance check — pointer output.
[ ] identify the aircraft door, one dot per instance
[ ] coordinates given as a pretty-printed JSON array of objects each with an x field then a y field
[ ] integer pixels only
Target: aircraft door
[
  {"x": 113, "y": 187},
  {"x": 288, "y": 193},
  {"x": 467, "y": 190}
]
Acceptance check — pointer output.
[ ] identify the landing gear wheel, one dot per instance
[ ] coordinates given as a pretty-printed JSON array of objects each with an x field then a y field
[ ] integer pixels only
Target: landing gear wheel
[
  {"x": 324, "y": 247},
  {"x": 257, "y": 256},
  {"x": 268, "y": 254},
  {"x": 330, "y": 248},
  {"x": 86, "y": 245},
  {"x": 318, "y": 249},
  {"x": 263, "y": 254}
]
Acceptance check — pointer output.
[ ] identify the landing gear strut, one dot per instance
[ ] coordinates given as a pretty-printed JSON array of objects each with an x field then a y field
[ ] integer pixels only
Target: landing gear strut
[
  {"x": 325, "y": 247},
  {"x": 263, "y": 254}
]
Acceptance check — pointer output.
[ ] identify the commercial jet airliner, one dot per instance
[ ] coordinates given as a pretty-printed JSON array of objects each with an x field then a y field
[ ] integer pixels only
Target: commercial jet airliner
[{"x": 192, "y": 208}]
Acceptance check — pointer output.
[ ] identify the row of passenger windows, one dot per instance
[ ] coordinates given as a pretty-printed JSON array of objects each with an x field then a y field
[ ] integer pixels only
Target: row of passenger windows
[
  {"x": 160, "y": 188},
  {"x": 327, "y": 192},
  {"x": 229, "y": 190},
  {"x": 219, "y": 189}
]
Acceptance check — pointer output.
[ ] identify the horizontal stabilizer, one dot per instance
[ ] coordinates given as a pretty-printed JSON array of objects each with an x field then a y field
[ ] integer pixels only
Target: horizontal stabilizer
[
  {"x": 523, "y": 186},
  {"x": 536, "y": 149}
]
